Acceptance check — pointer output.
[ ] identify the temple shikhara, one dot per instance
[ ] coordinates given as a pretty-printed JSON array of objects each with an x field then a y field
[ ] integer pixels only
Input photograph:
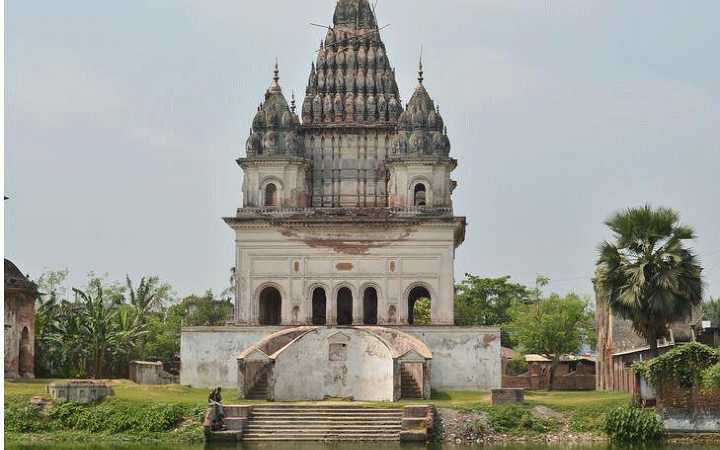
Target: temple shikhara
[{"x": 345, "y": 233}]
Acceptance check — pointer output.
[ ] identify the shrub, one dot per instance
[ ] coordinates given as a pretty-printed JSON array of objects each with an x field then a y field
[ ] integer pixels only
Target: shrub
[
  {"x": 711, "y": 377},
  {"x": 517, "y": 365},
  {"x": 513, "y": 418},
  {"x": 118, "y": 417},
  {"x": 633, "y": 425},
  {"x": 23, "y": 419}
]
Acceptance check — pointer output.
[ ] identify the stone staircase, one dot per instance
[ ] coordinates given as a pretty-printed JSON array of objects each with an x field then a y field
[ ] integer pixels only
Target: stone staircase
[
  {"x": 260, "y": 390},
  {"x": 408, "y": 386},
  {"x": 322, "y": 423}
]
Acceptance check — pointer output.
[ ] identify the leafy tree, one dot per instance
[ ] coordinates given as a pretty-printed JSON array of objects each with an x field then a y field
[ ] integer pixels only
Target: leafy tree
[
  {"x": 422, "y": 313},
  {"x": 206, "y": 310},
  {"x": 487, "y": 302},
  {"x": 711, "y": 311},
  {"x": 648, "y": 275},
  {"x": 554, "y": 327}
]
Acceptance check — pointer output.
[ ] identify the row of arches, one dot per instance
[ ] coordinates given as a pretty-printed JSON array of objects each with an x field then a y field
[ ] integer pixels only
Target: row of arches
[
  {"x": 271, "y": 306},
  {"x": 272, "y": 197}
]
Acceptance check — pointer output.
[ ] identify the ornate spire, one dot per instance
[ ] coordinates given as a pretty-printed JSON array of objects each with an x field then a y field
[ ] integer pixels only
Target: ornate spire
[
  {"x": 276, "y": 76},
  {"x": 420, "y": 71}
]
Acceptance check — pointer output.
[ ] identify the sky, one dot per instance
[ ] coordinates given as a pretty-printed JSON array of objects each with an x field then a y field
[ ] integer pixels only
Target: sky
[{"x": 123, "y": 121}]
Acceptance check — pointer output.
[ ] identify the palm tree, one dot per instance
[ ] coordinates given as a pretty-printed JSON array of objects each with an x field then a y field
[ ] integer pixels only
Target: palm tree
[
  {"x": 648, "y": 275},
  {"x": 98, "y": 327},
  {"x": 149, "y": 296}
]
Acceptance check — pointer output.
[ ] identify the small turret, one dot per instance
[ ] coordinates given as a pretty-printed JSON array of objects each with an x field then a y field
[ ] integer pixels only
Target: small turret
[
  {"x": 275, "y": 126},
  {"x": 420, "y": 126}
]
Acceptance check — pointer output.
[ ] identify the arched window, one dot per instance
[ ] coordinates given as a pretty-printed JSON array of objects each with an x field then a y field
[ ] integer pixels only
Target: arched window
[
  {"x": 271, "y": 195},
  {"x": 344, "y": 307},
  {"x": 270, "y": 306},
  {"x": 370, "y": 304},
  {"x": 420, "y": 195},
  {"x": 419, "y": 306},
  {"x": 319, "y": 304}
]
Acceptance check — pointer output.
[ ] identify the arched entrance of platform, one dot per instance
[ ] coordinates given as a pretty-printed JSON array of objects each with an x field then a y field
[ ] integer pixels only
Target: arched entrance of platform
[
  {"x": 370, "y": 306},
  {"x": 319, "y": 307},
  {"x": 344, "y": 306},
  {"x": 417, "y": 293},
  {"x": 270, "y": 306}
]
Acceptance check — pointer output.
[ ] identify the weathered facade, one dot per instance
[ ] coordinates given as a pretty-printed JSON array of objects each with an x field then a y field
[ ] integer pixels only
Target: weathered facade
[
  {"x": 20, "y": 296},
  {"x": 347, "y": 216}
]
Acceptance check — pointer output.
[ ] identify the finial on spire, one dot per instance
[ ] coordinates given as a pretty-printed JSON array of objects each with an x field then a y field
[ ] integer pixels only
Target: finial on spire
[
  {"x": 276, "y": 77},
  {"x": 420, "y": 67}
]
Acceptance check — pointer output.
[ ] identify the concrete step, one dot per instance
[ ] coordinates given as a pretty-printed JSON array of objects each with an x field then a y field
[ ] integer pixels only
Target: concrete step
[
  {"x": 323, "y": 436},
  {"x": 314, "y": 418},
  {"x": 302, "y": 427},
  {"x": 265, "y": 408},
  {"x": 319, "y": 439}
]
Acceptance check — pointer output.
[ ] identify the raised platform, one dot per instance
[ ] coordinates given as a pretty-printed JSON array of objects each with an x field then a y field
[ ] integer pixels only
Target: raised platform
[{"x": 464, "y": 358}]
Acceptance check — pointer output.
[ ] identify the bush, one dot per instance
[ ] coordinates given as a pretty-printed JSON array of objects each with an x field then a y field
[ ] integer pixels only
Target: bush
[
  {"x": 513, "y": 418},
  {"x": 23, "y": 419},
  {"x": 633, "y": 425},
  {"x": 118, "y": 417},
  {"x": 517, "y": 365},
  {"x": 711, "y": 377}
]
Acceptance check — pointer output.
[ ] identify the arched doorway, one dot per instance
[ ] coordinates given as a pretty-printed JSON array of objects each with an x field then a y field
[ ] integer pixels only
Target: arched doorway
[
  {"x": 418, "y": 312},
  {"x": 344, "y": 306},
  {"x": 420, "y": 195},
  {"x": 25, "y": 360},
  {"x": 370, "y": 304},
  {"x": 270, "y": 306},
  {"x": 319, "y": 305}
]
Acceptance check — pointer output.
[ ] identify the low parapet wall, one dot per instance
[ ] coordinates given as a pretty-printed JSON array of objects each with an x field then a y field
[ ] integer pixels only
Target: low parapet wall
[
  {"x": 689, "y": 410},
  {"x": 464, "y": 358},
  {"x": 569, "y": 382}
]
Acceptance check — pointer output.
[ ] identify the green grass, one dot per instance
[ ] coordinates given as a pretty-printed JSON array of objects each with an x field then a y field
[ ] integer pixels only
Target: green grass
[
  {"x": 125, "y": 390},
  {"x": 586, "y": 410},
  {"x": 583, "y": 410}
]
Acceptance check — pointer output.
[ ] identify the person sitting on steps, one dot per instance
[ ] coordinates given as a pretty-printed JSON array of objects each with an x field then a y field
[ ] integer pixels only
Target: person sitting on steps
[{"x": 215, "y": 402}]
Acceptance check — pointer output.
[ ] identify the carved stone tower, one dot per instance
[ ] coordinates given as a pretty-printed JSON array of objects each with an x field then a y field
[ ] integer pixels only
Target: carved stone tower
[{"x": 347, "y": 216}]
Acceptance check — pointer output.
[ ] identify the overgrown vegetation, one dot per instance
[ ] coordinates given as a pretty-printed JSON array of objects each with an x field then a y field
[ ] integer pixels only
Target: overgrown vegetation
[
  {"x": 95, "y": 331},
  {"x": 633, "y": 425},
  {"x": 687, "y": 365},
  {"x": 517, "y": 419},
  {"x": 109, "y": 417}
]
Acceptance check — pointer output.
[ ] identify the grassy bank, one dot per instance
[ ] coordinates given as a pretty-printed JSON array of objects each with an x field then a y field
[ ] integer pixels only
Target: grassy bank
[{"x": 174, "y": 413}]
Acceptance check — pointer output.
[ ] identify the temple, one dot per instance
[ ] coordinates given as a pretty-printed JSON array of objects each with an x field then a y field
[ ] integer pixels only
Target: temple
[{"x": 346, "y": 236}]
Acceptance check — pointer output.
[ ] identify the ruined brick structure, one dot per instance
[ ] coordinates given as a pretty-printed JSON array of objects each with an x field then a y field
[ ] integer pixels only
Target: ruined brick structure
[
  {"x": 20, "y": 295},
  {"x": 346, "y": 220}
]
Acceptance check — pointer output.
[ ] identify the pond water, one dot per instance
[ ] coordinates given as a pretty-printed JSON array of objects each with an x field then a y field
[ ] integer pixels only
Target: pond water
[{"x": 353, "y": 446}]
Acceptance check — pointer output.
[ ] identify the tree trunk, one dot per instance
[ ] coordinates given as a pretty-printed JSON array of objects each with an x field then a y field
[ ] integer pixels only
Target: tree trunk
[
  {"x": 551, "y": 381},
  {"x": 652, "y": 342}
]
